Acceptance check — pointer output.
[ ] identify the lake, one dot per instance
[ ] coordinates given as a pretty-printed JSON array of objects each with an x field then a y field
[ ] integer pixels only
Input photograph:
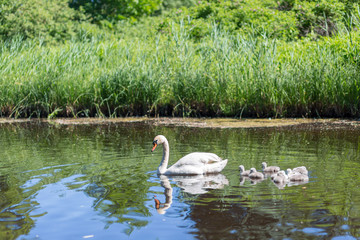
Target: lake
[{"x": 100, "y": 182}]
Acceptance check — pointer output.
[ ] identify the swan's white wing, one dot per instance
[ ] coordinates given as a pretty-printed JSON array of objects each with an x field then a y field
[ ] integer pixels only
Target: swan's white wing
[
  {"x": 199, "y": 158},
  {"x": 197, "y": 163}
]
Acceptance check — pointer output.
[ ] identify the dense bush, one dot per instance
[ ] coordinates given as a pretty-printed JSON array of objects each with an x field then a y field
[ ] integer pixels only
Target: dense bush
[
  {"x": 321, "y": 18},
  {"x": 254, "y": 18},
  {"x": 286, "y": 19},
  {"x": 116, "y": 9},
  {"x": 48, "y": 20},
  {"x": 283, "y": 19}
]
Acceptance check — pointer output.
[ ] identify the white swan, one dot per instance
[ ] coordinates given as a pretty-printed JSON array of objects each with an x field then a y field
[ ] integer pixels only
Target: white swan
[{"x": 192, "y": 164}]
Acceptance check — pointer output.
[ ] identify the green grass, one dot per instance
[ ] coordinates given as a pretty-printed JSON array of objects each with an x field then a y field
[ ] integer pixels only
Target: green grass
[{"x": 171, "y": 75}]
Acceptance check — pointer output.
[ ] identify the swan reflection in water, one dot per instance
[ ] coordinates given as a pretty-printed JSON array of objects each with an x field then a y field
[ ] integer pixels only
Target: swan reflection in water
[
  {"x": 198, "y": 184},
  {"x": 162, "y": 207}
]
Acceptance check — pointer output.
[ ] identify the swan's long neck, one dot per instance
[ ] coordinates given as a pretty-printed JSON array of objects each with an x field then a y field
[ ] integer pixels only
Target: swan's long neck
[{"x": 165, "y": 159}]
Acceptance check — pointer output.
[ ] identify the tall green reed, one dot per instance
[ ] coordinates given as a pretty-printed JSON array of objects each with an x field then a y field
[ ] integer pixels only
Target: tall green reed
[{"x": 170, "y": 74}]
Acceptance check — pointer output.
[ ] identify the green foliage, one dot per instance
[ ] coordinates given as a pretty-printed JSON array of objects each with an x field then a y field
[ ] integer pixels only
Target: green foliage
[
  {"x": 118, "y": 9},
  {"x": 169, "y": 74},
  {"x": 321, "y": 18},
  {"x": 287, "y": 19},
  {"x": 47, "y": 20},
  {"x": 171, "y": 4},
  {"x": 285, "y": 5},
  {"x": 217, "y": 58},
  {"x": 255, "y": 18},
  {"x": 350, "y": 5}
]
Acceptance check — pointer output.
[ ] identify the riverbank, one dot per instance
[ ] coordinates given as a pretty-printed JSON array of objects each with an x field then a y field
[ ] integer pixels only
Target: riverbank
[{"x": 199, "y": 122}]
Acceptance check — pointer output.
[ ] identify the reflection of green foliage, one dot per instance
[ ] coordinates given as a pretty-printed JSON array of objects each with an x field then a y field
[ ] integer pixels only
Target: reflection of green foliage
[
  {"x": 117, "y": 182},
  {"x": 323, "y": 204},
  {"x": 114, "y": 165}
]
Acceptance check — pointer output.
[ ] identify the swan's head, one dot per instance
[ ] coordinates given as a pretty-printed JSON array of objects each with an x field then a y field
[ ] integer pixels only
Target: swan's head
[
  {"x": 264, "y": 165},
  {"x": 289, "y": 170},
  {"x": 252, "y": 170},
  {"x": 159, "y": 139}
]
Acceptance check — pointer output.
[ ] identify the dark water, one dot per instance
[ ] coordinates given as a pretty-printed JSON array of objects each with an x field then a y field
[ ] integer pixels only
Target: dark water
[{"x": 98, "y": 182}]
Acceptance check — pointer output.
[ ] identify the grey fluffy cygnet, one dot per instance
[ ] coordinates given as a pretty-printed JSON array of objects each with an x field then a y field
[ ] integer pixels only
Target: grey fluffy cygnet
[
  {"x": 280, "y": 177},
  {"x": 269, "y": 169},
  {"x": 301, "y": 170},
  {"x": 255, "y": 174},
  {"x": 243, "y": 172},
  {"x": 297, "y": 177}
]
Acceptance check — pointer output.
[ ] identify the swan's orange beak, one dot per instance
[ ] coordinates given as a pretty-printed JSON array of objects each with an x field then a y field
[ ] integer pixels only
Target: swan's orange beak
[{"x": 155, "y": 145}]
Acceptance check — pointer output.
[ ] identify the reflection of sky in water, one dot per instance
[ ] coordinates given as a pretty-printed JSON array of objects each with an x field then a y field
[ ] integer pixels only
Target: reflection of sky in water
[
  {"x": 59, "y": 206},
  {"x": 72, "y": 212},
  {"x": 30, "y": 183},
  {"x": 346, "y": 237},
  {"x": 100, "y": 182},
  {"x": 316, "y": 231}
]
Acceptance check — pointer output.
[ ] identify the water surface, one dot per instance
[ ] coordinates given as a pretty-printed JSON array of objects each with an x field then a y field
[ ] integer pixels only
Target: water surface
[{"x": 99, "y": 182}]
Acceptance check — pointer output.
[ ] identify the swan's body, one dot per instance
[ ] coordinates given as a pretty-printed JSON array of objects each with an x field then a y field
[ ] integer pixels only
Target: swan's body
[
  {"x": 255, "y": 175},
  {"x": 195, "y": 163},
  {"x": 269, "y": 169},
  {"x": 243, "y": 172}
]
